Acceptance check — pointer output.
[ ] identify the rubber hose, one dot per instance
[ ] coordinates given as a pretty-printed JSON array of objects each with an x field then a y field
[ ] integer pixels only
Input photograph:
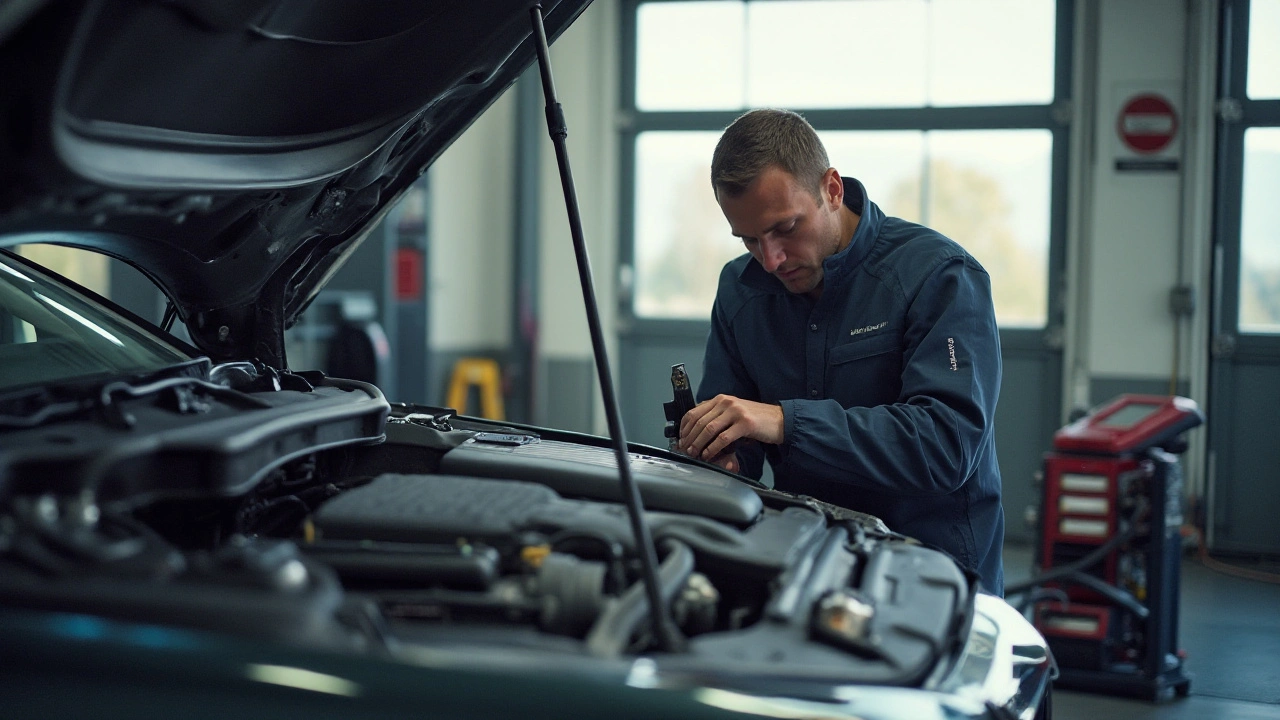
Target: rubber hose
[
  {"x": 623, "y": 617},
  {"x": 1080, "y": 565},
  {"x": 1112, "y": 593}
]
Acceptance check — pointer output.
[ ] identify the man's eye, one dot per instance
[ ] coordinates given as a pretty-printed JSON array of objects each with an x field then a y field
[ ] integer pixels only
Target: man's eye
[{"x": 750, "y": 241}]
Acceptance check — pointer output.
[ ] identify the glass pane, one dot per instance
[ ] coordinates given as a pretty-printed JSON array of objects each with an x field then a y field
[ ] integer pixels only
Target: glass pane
[
  {"x": 991, "y": 52},
  {"x": 689, "y": 56},
  {"x": 50, "y": 333},
  {"x": 1264, "y": 49},
  {"x": 907, "y": 53},
  {"x": 885, "y": 162},
  {"x": 989, "y": 191},
  {"x": 681, "y": 238},
  {"x": 856, "y": 54},
  {"x": 1259, "y": 237}
]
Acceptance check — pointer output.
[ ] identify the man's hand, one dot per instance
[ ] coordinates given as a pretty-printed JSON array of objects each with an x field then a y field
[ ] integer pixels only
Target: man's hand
[
  {"x": 709, "y": 429},
  {"x": 728, "y": 460}
]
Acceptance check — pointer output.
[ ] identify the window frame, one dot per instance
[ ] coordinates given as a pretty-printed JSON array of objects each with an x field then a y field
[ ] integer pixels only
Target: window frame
[
  {"x": 1053, "y": 116},
  {"x": 1237, "y": 114}
]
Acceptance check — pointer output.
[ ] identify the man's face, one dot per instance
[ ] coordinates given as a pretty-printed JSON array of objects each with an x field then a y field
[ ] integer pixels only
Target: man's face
[{"x": 785, "y": 228}]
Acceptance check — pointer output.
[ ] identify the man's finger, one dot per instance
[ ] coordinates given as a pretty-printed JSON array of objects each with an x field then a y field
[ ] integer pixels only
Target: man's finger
[
  {"x": 730, "y": 425},
  {"x": 728, "y": 461},
  {"x": 689, "y": 425},
  {"x": 693, "y": 416},
  {"x": 700, "y": 434},
  {"x": 723, "y": 440}
]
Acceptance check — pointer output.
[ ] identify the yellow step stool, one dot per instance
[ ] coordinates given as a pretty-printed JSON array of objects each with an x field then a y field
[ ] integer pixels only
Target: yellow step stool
[{"x": 482, "y": 373}]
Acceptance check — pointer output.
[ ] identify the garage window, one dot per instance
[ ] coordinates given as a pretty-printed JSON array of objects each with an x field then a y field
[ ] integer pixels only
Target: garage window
[
  {"x": 1259, "y": 214},
  {"x": 942, "y": 108},
  {"x": 1264, "y": 50}
]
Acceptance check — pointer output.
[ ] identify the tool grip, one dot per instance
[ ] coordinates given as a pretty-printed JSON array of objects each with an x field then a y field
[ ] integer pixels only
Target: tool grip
[{"x": 681, "y": 403}]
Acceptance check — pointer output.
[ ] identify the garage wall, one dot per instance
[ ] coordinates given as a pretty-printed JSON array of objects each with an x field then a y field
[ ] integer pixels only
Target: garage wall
[
  {"x": 472, "y": 229},
  {"x": 1137, "y": 235},
  {"x": 1135, "y": 215},
  {"x": 585, "y": 63},
  {"x": 471, "y": 226}
]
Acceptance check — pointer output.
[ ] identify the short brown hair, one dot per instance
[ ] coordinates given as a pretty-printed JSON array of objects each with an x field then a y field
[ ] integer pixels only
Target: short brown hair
[{"x": 761, "y": 138}]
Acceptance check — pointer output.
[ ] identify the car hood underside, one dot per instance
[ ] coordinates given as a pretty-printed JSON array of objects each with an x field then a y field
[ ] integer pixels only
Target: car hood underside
[{"x": 237, "y": 151}]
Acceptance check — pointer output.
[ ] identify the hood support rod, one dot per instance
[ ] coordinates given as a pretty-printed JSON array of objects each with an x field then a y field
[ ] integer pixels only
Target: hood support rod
[{"x": 665, "y": 634}]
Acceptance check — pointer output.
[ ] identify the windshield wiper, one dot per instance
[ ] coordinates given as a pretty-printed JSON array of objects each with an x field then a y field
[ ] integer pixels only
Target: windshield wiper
[
  {"x": 47, "y": 410},
  {"x": 28, "y": 406},
  {"x": 107, "y": 399},
  {"x": 183, "y": 388},
  {"x": 663, "y": 631}
]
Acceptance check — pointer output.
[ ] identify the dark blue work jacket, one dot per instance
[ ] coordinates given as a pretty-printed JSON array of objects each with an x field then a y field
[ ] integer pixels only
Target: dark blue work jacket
[{"x": 888, "y": 382}]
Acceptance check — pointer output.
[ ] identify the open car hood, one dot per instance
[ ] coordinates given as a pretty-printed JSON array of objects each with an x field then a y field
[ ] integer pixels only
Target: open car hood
[{"x": 236, "y": 151}]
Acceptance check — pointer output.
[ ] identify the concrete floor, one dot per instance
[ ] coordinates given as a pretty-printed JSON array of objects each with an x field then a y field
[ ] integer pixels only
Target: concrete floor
[{"x": 1230, "y": 628}]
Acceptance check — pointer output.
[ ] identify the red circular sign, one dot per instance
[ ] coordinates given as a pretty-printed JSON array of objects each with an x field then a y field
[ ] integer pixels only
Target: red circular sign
[{"x": 1147, "y": 123}]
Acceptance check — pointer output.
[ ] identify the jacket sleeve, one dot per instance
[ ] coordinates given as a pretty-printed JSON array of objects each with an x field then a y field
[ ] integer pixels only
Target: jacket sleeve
[
  {"x": 723, "y": 373},
  {"x": 931, "y": 439}
]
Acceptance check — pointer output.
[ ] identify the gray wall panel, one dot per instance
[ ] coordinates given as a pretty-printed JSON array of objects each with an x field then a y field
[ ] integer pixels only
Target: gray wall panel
[
  {"x": 1023, "y": 434},
  {"x": 1248, "y": 491},
  {"x": 566, "y": 397}
]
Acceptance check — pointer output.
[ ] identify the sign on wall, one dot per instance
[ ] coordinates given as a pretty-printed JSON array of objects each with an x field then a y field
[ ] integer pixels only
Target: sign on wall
[{"x": 1146, "y": 130}]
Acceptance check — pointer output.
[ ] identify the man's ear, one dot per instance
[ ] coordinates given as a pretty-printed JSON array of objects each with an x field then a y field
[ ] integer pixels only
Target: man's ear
[{"x": 832, "y": 189}]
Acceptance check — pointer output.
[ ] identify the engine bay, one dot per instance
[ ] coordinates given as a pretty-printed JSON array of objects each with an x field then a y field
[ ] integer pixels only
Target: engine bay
[{"x": 323, "y": 516}]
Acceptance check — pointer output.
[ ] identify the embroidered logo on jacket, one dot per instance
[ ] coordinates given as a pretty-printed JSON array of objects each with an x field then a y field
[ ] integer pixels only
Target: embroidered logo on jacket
[
  {"x": 951, "y": 350},
  {"x": 869, "y": 328}
]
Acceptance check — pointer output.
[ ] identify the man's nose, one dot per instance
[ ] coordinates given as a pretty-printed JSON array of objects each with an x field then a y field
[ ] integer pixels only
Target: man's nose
[{"x": 771, "y": 254}]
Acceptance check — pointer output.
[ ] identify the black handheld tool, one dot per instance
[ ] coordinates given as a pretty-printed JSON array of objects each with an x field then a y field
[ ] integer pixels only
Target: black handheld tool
[{"x": 682, "y": 404}]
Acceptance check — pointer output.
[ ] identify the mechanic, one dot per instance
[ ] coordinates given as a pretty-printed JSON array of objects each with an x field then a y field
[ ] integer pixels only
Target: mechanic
[{"x": 857, "y": 352}]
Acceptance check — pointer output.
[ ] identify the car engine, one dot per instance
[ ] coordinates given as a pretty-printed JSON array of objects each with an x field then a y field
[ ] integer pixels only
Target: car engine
[{"x": 307, "y": 510}]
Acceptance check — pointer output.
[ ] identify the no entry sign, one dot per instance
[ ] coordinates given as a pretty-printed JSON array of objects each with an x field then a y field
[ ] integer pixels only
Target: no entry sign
[{"x": 1147, "y": 123}]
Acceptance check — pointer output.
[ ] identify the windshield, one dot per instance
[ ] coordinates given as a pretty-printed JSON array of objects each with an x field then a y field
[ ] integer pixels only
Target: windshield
[{"x": 50, "y": 333}]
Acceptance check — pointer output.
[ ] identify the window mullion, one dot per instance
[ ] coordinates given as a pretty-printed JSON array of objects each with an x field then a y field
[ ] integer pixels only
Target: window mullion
[{"x": 976, "y": 118}]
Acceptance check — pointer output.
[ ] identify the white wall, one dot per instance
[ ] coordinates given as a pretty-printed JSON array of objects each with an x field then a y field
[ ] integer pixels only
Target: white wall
[
  {"x": 1135, "y": 215},
  {"x": 1135, "y": 236},
  {"x": 585, "y": 63},
  {"x": 472, "y": 221},
  {"x": 473, "y": 210},
  {"x": 1134, "y": 230}
]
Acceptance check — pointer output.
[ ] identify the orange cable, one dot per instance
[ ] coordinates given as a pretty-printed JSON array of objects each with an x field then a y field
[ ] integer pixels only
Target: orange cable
[{"x": 1228, "y": 569}]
